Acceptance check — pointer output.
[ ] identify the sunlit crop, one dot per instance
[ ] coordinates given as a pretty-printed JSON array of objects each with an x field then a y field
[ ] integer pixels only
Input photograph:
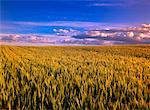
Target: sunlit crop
[{"x": 106, "y": 77}]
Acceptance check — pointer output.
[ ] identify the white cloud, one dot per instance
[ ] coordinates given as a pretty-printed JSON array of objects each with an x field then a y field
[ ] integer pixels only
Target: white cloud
[
  {"x": 146, "y": 35},
  {"x": 61, "y": 30},
  {"x": 126, "y": 35},
  {"x": 69, "y": 32},
  {"x": 106, "y": 4},
  {"x": 131, "y": 35},
  {"x": 146, "y": 25},
  {"x": 74, "y": 24}
]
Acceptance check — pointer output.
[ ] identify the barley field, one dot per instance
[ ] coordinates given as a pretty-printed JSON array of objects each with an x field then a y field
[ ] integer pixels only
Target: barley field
[{"x": 75, "y": 77}]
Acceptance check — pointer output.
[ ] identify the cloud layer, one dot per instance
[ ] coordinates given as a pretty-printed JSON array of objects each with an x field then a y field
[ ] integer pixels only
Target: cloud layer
[
  {"x": 120, "y": 3},
  {"x": 73, "y": 24},
  {"x": 130, "y": 35}
]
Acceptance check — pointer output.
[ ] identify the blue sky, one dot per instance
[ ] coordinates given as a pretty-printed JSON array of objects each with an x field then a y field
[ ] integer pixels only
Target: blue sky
[{"x": 103, "y": 12}]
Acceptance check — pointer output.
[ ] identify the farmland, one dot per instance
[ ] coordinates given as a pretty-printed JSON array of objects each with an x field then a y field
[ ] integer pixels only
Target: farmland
[{"x": 75, "y": 77}]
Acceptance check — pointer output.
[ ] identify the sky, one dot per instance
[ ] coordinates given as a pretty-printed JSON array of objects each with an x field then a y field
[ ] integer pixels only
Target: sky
[{"x": 71, "y": 18}]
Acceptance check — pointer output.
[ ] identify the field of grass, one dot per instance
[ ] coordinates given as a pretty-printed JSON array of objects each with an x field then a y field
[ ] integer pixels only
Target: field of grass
[{"x": 88, "y": 77}]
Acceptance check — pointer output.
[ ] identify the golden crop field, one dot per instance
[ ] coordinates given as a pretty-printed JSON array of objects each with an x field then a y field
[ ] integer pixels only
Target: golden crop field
[{"x": 75, "y": 77}]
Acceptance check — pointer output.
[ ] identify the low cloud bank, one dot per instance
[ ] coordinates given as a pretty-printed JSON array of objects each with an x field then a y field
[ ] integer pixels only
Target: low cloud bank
[{"x": 130, "y": 35}]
